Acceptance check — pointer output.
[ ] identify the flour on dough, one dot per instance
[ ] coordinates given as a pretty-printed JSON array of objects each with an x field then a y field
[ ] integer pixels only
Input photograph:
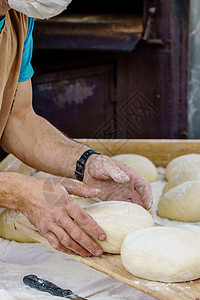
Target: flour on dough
[
  {"x": 141, "y": 164},
  {"x": 118, "y": 219},
  {"x": 181, "y": 163},
  {"x": 85, "y": 202},
  {"x": 7, "y": 228},
  {"x": 181, "y": 203},
  {"x": 165, "y": 254},
  {"x": 187, "y": 175}
]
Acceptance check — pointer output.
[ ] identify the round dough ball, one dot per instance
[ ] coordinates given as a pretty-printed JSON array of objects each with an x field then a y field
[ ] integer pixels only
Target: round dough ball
[
  {"x": 187, "y": 175},
  {"x": 85, "y": 202},
  {"x": 7, "y": 227},
  {"x": 181, "y": 163},
  {"x": 141, "y": 164},
  {"x": 165, "y": 254},
  {"x": 118, "y": 218},
  {"x": 182, "y": 203}
]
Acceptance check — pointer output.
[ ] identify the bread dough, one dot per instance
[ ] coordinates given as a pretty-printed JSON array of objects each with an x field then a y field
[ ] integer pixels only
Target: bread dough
[
  {"x": 181, "y": 163},
  {"x": 187, "y": 175},
  {"x": 118, "y": 219},
  {"x": 7, "y": 228},
  {"x": 141, "y": 164},
  {"x": 85, "y": 202},
  {"x": 181, "y": 203},
  {"x": 165, "y": 254}
]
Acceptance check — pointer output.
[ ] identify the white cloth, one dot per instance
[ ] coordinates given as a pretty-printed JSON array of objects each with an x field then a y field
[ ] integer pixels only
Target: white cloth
[
  {"x": 18, "y": 260},
  {"x": 39, "y": 9}
]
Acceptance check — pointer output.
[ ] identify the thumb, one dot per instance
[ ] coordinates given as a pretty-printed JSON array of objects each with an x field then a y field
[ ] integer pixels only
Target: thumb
[
  {"x": 117, "y": 174},
  {"x": 80, "y": 189}
]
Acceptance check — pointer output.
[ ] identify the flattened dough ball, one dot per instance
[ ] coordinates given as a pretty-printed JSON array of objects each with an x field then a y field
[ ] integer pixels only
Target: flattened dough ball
[
  {"x": 141, "y": 164},
  {"x": 187, "y": 175},
  {"x": 7, "y": 228},
  {"x": 182, "y": 203},
  {"x": 181, "y": 163},
  {"x": 118, "y": 219},
  {"x": 165, "y": 254}
]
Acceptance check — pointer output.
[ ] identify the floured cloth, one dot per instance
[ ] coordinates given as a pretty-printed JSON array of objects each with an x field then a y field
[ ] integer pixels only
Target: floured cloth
[{"x": 18, "y": 260}]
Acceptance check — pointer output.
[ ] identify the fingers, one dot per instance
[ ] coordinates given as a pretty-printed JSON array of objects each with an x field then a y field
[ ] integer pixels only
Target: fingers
[
  {"x": 85, "y": 221},
  {"x": 102, "y": 167},
  {"x": 61, "y": 241},
  {"x": 80, "y": 189},
  {"x": 116, "y": 173},
  {"x": 73, "y": 229},
  {"x": 142, "y": 193},
  {"x": 73, "y": 237},
  {"x": 143, "y": 188}
]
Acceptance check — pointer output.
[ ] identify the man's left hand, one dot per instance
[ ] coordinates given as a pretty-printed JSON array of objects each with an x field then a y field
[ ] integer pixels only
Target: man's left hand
[{"x": 117, "y": 181}]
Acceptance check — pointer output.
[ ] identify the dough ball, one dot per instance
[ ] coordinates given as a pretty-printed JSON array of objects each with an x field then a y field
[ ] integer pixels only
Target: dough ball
[
  {"x": 141, "y": 164},
  {"x": 166, "y": 254},
  {"x": 187, "y": 175},
  {"x": 118, "y": 219},
  {"x": 181, "y": 163},
  {"x": 85, "y": 202},
  {"x": 182, "y": 203},
  {"x": 7, "y": 228}
]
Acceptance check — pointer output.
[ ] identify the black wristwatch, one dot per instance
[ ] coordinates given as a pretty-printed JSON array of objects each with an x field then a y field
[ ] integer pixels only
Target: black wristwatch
[{"x": 80, "y": 165}]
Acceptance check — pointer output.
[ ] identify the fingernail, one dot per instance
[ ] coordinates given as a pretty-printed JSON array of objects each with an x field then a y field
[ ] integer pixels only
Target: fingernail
[
  {"x": 124, "y": 177},
  {"x": 99, "y": 252},
  {"x": 102, "y": 237}
]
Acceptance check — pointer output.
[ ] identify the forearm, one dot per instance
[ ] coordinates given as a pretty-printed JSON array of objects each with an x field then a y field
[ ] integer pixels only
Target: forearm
[
  {"x": 12, "y": 192},
  {"x": 40, "y": 145}
]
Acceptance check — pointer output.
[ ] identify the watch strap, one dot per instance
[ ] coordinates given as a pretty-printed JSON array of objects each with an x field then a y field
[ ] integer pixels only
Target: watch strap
[{"x": 80, "y": 164}]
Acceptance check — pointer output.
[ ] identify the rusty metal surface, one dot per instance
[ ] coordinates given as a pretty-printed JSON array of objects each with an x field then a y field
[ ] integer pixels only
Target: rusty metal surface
[
  {"x": 76, "y": 101},
  {"x": 149, "y": 85},
  {"x": 153, "y": 102},
  {"x": 86, "y": 32}
]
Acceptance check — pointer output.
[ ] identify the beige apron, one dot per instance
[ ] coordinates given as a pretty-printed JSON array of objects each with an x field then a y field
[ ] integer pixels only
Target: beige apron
[{"x": 12, "y": 39}]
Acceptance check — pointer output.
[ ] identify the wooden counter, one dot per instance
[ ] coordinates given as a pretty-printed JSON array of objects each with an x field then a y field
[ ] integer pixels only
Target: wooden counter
[{"x": 160, "y": 152}]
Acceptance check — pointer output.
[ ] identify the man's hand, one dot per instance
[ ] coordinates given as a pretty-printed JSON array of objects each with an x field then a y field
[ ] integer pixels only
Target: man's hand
[
  {"x": 56, "y": 215},
  {"x": 117, "y": 181}
]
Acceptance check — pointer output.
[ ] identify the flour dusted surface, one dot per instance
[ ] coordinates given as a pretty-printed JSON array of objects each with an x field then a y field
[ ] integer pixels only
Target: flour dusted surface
[
  {"x": 181, "y": 203},
  {"x": 162, "y": 254},
  {"x": 118, "y": 219},
  {"x": 181, "y": 163}
]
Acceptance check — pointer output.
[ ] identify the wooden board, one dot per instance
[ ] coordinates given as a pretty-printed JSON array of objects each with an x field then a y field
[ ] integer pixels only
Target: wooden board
[
  {"x": 112, "y": 266},
  {"x": 160, "y": 152}
]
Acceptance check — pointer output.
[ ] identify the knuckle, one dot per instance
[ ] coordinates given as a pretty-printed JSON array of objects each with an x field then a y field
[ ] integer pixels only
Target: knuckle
[
  {"x": 56, "y": 245},
  {"x": 75, "y": 234},
  {"x": 84, "y": 218},
  {"x": 54, "y": 242},
  {"x": 65, "y": 240}
]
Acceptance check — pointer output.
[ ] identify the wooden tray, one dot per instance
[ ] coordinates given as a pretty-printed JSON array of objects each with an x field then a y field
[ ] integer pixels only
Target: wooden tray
[
  {"x": 111, "y": 265},
  {"x": 160, "y": 152}
]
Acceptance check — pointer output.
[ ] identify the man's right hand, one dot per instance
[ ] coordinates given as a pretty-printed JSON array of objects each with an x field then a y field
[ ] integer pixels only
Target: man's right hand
[{"x": 47, "y": 204}]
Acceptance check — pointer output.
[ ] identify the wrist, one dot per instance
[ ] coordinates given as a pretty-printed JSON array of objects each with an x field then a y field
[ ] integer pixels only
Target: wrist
[{"x": 82, "y": 162}]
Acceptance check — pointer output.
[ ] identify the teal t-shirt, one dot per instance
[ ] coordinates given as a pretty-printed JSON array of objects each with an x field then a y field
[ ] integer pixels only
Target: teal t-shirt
[{"x": 26, "y": 71}]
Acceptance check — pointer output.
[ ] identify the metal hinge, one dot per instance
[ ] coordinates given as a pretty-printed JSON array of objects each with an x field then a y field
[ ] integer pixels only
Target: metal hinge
[{"x": 149, "y": 27}]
